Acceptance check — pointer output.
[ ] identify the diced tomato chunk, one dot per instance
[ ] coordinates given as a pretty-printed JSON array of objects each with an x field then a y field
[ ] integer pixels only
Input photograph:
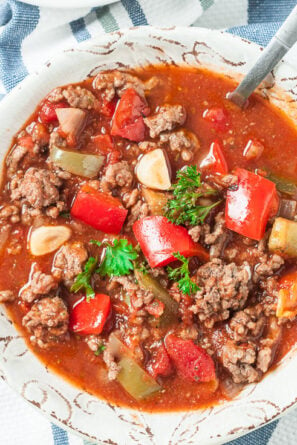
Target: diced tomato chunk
[
  {"x": 102, "y": 143},
  {"x": 156, "y": 308},
  {"x": 89, "y": 317},
  {"x": 191, "y": 361},
  {"x": 253, "y": 149},
  {"x": 251, "y": 204},
  {"x": 127, "y": 120},
  {"x": 99, "y": 210},
  {"x": 159, "y": 239},
  {"x": 47, "y": 113},
  {"x": 108, "y": 107},
  {"x": 160, "y": 364},
  {"x": 218, "y": 117},
  {"x": 40, "y": 134},
  {"x": 114, "y": 157},
  {"x": 215, "y": 161}
]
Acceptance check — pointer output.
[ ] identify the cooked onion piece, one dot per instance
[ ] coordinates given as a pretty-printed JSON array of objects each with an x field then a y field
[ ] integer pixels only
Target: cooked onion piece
[
  {"x": 153, "y": 171},
  {"x": 47, "y": 239},
  {"x": 71, "y": 120}
]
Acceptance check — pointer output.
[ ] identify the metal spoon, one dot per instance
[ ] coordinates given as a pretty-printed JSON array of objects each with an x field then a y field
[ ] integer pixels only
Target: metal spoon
[{"x": 279, "y": 45}]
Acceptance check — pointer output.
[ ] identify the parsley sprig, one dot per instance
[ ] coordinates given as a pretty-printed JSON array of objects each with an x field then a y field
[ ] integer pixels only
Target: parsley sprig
[
  {"x": 83, "y": 280},
  {"x": 117, "y": 261},
  {"x": 118, "y": 258},
  {"x": 184, "y": 207},
  {"x": 181, "y": 275}
]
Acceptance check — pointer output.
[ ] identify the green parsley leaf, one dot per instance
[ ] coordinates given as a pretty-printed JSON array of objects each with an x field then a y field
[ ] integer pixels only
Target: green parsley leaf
[
  {"x": 118, "y": 259},
  {"x": 83, "y": 280},
  {"x": 96, "y": 242},
  {"x": 183, "y": 208},
  {"x": 182, "y": 276},
  {"x": 65, "y": 214},
  {"x": 100, "y": 350}
]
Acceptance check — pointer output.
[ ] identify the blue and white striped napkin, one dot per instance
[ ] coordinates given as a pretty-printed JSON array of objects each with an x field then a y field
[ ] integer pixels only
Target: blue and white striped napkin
[{"x": 28, "y": 37}]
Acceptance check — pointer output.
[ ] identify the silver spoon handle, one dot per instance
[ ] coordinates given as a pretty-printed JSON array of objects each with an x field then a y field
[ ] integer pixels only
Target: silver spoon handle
[{"x": 279, "y": 45}]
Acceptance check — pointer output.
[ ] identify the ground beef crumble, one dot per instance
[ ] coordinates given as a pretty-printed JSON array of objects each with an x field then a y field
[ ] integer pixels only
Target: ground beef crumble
[
  {"x": 115, "y": 83},
  {"x": 38, "y": 189},
  {"x": 39, "y": 284},
  {"x": 119, "y": 174},
  {"x": 248, "y": 324},
  {"x": 139, "y": 210},
  {"x": 68, "y": 262},
  {"x": 181, "y": 142},
  {"x": 247, "y": 361},
  {"x": 47, "y": 321},
  {"x": 223, "y": 287},
  {"x": 79, "y": 97},
  {"x": 166, "y": 119}
]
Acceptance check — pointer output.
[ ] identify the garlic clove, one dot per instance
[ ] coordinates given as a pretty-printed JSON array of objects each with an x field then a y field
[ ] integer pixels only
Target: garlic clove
[
  {"x": 47, "y": 239},
  {"x": 153, "y": 171}
]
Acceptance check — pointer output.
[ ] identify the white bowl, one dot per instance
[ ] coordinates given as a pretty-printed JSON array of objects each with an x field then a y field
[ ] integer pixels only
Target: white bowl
[
  {"x": 69, "y": 4},
  {"x": 56, "y": 398}
]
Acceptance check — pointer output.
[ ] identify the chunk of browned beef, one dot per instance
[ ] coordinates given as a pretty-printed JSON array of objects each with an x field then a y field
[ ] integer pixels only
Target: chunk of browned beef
[
  {"x": 267, "y": 266},
  {"x": 110, "y": 361},
  {"x": 47, "y": 321},
  {"x": 240, "y": 361},
  {"x": 181, "y": 142},
  {"x": 166, "y": 119},
  {"x": 9, "y": 213},
  {"x": 39, "y": 284},
  {"x": 116, "y": 175},
  {"x": 248, "y": 324},
  {"x": 137, "y": 211},
  {"x": 139, "y": 295},
  {"x": 68, "y": 262},
  {"x": 248, "y": 361},
  {"x": 116, "y": 82},
  {"x": 94, "y": 342},
  {"x": 38, "y": 189},
  {"x": 79, "y": 97},
  {"x": 223, "y": 288},
  {"x": 14, "y": 158}
]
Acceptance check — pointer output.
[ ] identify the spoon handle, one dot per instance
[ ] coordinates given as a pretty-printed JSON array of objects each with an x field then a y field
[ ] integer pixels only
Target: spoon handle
[{"x": 279, "y": 45}]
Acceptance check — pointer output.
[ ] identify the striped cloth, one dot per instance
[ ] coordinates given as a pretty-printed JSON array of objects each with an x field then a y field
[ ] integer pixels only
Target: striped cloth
[{"x": 27, "y": 33}]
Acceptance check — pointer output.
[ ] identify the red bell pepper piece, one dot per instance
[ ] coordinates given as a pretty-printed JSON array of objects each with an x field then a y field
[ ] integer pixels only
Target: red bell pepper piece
[
  {"x": 89, "y": 317},
  {"x": 128, "y": 120},
  {"x": 99, "y": 210},
  {"x": 160, "y": 364},
  {"x": 159, "y": 239},
  {"x": 251, "y": 204},
  {"x": 218, "y": 117},
  {"x": 191, "y": 361},
  {"x": 102, "y": 143},
  {"x": 47, "y": 113},
  {"x": 215, "y": 161}
]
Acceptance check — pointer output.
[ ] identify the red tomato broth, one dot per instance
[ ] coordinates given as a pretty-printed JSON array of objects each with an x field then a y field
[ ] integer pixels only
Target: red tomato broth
[{"x": 197, "y": 90}]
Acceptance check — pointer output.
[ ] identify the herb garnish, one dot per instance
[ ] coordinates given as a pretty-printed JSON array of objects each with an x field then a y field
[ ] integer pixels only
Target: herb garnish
[
  {"x": 65, "y": 214},
  {"x": 182, "y": 276},
  {"x": 83, "y": 280},
  {"x": 100, "y": 350},
  {"x": 118, "y": 258},
  {"x": 183, "y": 208}
]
